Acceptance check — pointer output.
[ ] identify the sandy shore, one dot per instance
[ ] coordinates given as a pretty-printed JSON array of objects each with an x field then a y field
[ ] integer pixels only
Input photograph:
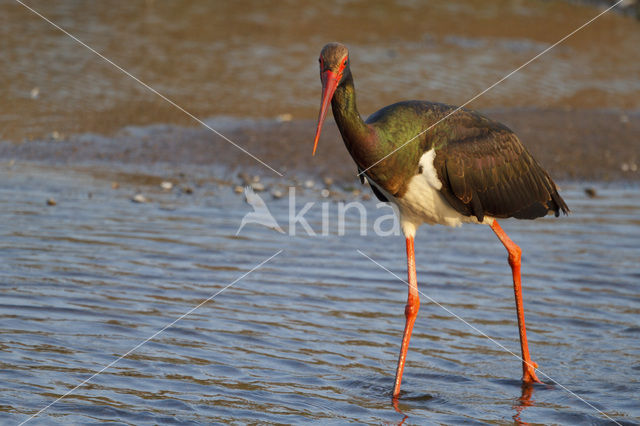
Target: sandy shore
[
  {"x": 572, "y": 145},
  {"x": 577, "y": 108}
]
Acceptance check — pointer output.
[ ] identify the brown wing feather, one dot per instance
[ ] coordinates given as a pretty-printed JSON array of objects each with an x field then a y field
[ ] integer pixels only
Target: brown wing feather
[{"x": 485, "y": 170}]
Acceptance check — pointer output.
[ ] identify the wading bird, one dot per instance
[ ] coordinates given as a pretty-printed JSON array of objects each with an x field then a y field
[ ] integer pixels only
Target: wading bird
[{"x": 462, "y": 169}]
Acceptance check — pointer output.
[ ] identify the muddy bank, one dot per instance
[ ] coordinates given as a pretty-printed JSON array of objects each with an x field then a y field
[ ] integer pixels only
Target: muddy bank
[
  {"x": 259, "y": 59},
  {"x": 574, "y": 145},
  {"x": 577, "y": 107}
]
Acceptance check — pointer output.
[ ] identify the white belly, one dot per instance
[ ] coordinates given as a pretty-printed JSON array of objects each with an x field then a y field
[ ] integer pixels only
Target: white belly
[{"x": 423, "y": 202}]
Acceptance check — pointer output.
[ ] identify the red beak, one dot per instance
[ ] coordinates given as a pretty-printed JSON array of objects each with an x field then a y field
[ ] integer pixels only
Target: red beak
[{"x": 329, "y": 85}]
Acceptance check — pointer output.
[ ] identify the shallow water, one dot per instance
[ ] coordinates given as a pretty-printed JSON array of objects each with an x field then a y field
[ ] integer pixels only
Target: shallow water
[{"x": 314, "y": 333}]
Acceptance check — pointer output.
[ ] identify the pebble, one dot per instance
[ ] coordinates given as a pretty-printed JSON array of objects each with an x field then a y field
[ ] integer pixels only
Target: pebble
[
  {"x": 55, "y": 135},
  {"x": 35, "y": 92},
  {"x": 366, "y": 197},
  {"x": 309, "y": 184},
  {"x": 325, "y": 193},
  {"x": 276, "y": 193},
  {"x": 166, "y": 185},
  {"x": 139, "y": 198},
  {"x": 238, "y": 189},
  {"x": 257, "y": 186},
  {"x": 328, "y": 181},
  {"x": 187, "y": 190},
  {"x": 51, "y": 202},
  {"x": 591, "y": 192},
  {"x": 282, "y": 118},
  {"x": 115, "y": 185}
]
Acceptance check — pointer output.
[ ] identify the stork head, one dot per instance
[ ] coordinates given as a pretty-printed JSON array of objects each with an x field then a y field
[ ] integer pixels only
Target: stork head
[{"x": 334, "y": 68}]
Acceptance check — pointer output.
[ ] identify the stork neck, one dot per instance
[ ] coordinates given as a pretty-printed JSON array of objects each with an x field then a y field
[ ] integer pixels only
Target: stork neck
[{"x": 354, "y": 131}]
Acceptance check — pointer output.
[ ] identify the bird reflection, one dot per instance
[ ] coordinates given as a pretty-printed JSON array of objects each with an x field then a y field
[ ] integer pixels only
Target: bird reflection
[
  {"x": 397, "y": 408},
  {"x": 523, "y": 402}
]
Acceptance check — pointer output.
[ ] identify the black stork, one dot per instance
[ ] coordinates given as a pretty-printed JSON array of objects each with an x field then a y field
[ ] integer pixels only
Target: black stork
[{"x": 464, "y": 169}]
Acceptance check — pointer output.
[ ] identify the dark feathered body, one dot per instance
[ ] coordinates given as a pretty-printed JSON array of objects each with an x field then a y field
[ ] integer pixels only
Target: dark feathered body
[{"x": 482, "y": 165}]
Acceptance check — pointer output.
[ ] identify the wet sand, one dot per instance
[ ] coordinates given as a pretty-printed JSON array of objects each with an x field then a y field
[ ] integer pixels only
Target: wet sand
[
  {"x": 240, "y": 66},
  {"x": 571, "y": 145}
]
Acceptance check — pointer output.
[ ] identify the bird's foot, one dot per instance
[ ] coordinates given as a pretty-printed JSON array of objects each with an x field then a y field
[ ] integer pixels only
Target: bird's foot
[{"x": 529, "y": 372}]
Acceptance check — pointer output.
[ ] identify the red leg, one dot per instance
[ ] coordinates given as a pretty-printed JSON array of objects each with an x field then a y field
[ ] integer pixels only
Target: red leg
[
  {"x": 410, "y": 312},
  {"x": 528, "y": 366}
]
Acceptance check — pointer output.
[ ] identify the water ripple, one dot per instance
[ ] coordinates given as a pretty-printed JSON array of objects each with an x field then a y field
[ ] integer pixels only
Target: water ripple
[{"x": 311, "y": 335}]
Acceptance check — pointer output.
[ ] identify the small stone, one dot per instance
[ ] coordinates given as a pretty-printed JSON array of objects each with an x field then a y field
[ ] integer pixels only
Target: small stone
[
  {"x": 325, "y": 193},
  {"x": 35, "y": 92},
  {"x": 55, "y": 135},
  {"x": 187, "y": 190},
  {"x": 276, "y": 193},
  {"x": 328, "y": 181},
  {"x": 115, "y": 185},
  {"x": 257, "y": 186},
  {"x": 282, "y": 118},
  {"x": 139, "y": 198},
  {"x": 256, "y": 178},
  {"x": 366, "y": 197},
  {"x": 51, "y": 202},
  {"x": 166, "y": 185},
  {"x": 590, "y": 192},
  {"x": 309, "y": 184},
  {"x": 238, "y": 189}
]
